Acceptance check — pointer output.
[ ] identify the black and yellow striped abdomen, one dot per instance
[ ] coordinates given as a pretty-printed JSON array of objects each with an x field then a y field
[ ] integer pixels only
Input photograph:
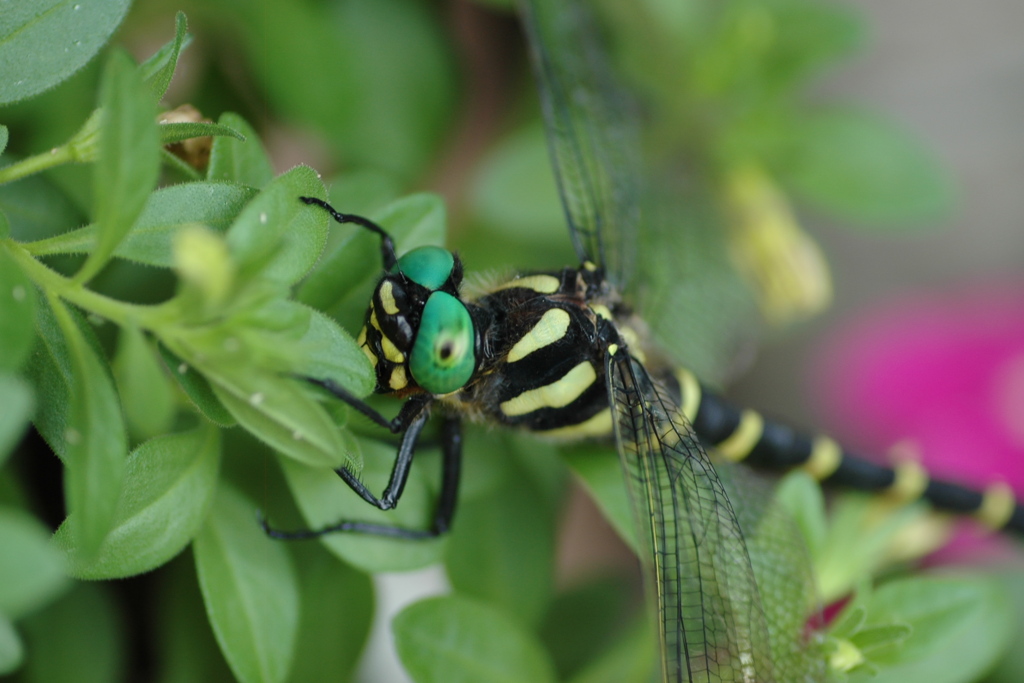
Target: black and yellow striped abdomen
[{"x": 742, "y": 435}]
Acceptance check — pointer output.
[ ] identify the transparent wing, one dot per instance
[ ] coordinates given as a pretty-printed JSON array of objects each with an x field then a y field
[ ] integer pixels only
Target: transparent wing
[
  {"x": 591, "y": 134},
  {"x": 626, "y": 208},
  {"x": 782, "y": 566},
  {"x": 710, "y": 616}
]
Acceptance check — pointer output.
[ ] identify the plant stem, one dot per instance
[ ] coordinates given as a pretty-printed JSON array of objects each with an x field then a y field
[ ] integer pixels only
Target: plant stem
[
  {"x": 35, "y": 164},
  {"x": 119, "y": 312}
]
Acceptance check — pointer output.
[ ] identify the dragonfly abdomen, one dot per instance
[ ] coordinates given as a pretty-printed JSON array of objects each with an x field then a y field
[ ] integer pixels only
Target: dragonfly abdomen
[{"x": 743, "y": 435}]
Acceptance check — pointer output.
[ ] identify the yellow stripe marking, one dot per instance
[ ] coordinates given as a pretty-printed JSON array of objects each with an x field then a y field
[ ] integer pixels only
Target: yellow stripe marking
[
  {"x": 601, "y": 310},
  {"x": 558, "y": 394},
  {"x": 544, "y": 284},
  {"x": 550, "y": 328},
  {"x": 387, "y": 298},
  {"x": 398, "y": 380},
  {"x": 371, "y": 355},
  {"x": 689, "y": 387},
  {"x": 361, "y": 339},
  {"x": 391, "y": 351},
  {"x": 598, "y": 425},
  {"x": 824, "y": 459},
  {"x": 374, "y": 323},
  {"x": 738, "y": 445},
  {"x": 910, "y": 482},
  {"x": 588, "y": 265},
  {"x": 997, "y": 505}
]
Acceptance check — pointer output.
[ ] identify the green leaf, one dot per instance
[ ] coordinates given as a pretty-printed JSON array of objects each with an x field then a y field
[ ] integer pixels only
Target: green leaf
[
  {"x": 129, "y": 158},
  {"x": 18, "y": 403},
  {"x": 413, "y": 221},
  {"x": 185, "y": 645},
  {"x": 158, "y": 70},
  {"x": 45, "y": 41},
  {"x": 4, "y": 135},
  {"x": 337, "y": 609},
  {"x": 177, "y": 132},
  {"x": 169, "y": 485},
  {"x": 278, "y": 412},
  {"x": 239, "y": 160},
  {"x": 326, "y": 351},
  {"x": 17, "y": 313},
  {"x": 277, "y": 234},
  {"x": 150, "y": 239},
  {"x": 960, "y": 626},
  {"x": 507, "y": 565},
  {"x": 197, "y": 389},
  {"x": 803, "y": 499},
  {"x": 11, "y": 650},
  {"x": 250, "y": 589},
  {"x": 324, "y": 499},
  {"x": 865, "y": 168},
  {"x": 452, "y": 639},
  {"x": 601, "y": 474},
  {"x": 96, "y": 444},
  {"x": 79, "y": 639},
  {"x": 147, "y": 392},
  {"x": 31, "y": 569},
  {"x": 49, "y": 371}
]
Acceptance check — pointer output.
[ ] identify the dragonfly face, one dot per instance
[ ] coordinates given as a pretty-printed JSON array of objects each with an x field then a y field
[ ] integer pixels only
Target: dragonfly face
[{"x": 418, "y": 334}]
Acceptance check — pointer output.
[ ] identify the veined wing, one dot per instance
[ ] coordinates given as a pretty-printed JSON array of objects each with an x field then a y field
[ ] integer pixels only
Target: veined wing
[
  {"x": 710, "y": 619},
  {"x": 623, "y": 208},
  {"x": 591, "y": 134}
]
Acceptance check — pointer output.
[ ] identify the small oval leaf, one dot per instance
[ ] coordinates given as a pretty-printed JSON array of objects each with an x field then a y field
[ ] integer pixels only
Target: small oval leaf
[
  {"x": 158, "y": 70},
  {"x": 31, "y": 569},
  {"x": 169, "y": 485},
  {"x": 129, "y": 158},
  {"x": 148, "y": 395},
  {"x": 17, "y": 313},
  {"x": 30, "y": 32},
  {"x": 451, "y": 639},
  {"x": 18, "y": 402},
  {"x": 250, "y": 590},
  {"x": 95, "y": 440},
  {"x": 239, "y": 160},
  {"x": 276, "y": 234}
]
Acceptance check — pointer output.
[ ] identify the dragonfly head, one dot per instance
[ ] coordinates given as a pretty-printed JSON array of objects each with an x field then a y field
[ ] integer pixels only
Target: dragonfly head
[{"x": 418, "y": 332}]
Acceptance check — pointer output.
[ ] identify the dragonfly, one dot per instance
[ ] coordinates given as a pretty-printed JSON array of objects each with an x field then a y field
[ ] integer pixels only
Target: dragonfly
[{"x": 563, "y": 354}]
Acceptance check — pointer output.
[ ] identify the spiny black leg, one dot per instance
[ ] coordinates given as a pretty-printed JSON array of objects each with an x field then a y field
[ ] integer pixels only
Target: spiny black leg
[
  {"x": 412, "y": 418},
  {"x": 410, "y": 409},
  {"x": 387, "y": 245},
  {"x": 399, "y": 473}
]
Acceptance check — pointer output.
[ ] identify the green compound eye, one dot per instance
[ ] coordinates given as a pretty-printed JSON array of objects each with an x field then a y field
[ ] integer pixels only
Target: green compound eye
[
  {"x": 427, "y": 266},
  {"x": 443, "y": 356}
]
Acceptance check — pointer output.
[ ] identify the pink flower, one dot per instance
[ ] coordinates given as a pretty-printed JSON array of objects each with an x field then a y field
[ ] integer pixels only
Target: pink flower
[{"x": 945, "y": 373}]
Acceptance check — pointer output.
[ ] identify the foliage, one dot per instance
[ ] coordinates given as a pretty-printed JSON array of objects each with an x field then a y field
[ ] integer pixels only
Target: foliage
[{"x": 157, "y": 311}]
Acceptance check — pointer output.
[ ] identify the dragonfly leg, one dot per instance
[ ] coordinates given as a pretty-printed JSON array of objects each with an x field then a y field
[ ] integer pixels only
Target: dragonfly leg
[
  {"x": 410, "y": 421},
  {"x": 387, "y": 244}
]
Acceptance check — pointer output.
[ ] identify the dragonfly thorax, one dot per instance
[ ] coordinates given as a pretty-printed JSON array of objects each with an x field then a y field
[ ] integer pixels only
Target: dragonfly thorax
[{"x": 418, "y": 332}]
